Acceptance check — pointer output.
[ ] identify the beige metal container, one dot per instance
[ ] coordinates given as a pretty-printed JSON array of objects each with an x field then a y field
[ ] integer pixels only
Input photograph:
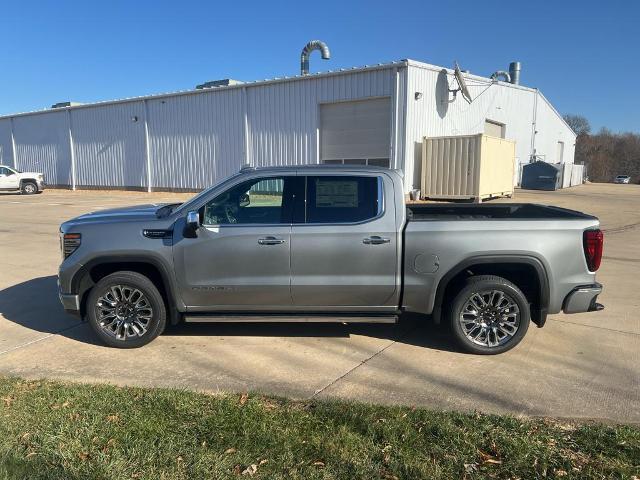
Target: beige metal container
[{"x": 467, "y": 167}]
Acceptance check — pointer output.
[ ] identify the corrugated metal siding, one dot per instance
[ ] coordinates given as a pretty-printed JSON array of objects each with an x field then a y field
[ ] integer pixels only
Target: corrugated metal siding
[
  {"x": 284, "y": 118},
  {"x": 195, "y": 140},
  {"x": 450, "y": 167},
  {"x": 109, "y": 145},
  {"x": 6, "y": 155},
  {"x": 42, "y": 145},
  {"x": 433, "y": 116},
  {"x": 551, "y": 130}
]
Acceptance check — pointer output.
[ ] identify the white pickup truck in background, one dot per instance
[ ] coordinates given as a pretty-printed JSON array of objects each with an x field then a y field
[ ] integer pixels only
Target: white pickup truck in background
[{"x": 25, "y": 182}]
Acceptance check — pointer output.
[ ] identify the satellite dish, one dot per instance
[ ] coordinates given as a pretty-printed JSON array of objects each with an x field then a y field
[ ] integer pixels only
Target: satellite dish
[{"x": 462, "y": 85}]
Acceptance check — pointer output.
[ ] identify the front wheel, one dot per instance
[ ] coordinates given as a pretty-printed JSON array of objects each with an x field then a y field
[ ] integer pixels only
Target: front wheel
[
  {"x": 489, "y": 315},
  {"x": 126, "y": 310},
  {"x": 29, "y": 188}
]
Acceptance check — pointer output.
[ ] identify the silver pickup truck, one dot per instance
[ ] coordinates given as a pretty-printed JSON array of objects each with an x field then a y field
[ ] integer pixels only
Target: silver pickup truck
[{"x": 327, "y": 244}]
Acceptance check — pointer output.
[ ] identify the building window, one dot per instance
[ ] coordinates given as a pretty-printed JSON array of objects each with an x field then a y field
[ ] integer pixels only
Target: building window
[{"x": 374, "y": 162}]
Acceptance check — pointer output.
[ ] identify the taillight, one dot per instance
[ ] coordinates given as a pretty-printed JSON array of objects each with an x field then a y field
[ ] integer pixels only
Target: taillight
[
  {"x": 70, "y": 243},
  {"x": 593, "y": 241}
]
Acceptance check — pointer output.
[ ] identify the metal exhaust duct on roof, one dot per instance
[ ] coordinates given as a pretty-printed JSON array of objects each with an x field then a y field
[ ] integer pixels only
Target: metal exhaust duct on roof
[
  {"x": 501, "y": 73},
  {"x": 514, "y": 72},
  {"x": 306, "y": 52}
]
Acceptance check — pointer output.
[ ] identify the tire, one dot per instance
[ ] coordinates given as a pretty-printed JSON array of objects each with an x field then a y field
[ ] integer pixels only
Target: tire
[
  {"x": 115, "y": 298},
  {"x": 489, "y": 315},
  {"x": 28, "y": 188}
]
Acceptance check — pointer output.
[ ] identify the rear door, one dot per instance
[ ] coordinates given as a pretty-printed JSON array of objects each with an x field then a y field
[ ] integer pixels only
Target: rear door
[{"x": 343, "y": 253}]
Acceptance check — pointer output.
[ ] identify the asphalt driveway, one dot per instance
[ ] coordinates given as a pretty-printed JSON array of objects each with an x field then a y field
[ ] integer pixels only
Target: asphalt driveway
[{"x": 580, "y": 366}]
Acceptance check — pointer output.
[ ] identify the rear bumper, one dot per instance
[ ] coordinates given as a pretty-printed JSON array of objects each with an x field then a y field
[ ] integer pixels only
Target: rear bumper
[{"x": 583, "y": 299}]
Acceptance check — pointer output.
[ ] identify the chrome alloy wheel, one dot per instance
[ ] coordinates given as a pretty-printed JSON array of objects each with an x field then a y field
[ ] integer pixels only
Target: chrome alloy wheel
[
  {"x": 124, "y": 312},
  {"x": 490, "y": 318}
]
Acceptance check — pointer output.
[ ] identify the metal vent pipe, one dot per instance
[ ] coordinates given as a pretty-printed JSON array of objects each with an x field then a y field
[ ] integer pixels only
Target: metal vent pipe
[
  {"x": 306, "y": 52},
  {"x": 501, "y": 73},
  {"x": 514, "y": 72}
]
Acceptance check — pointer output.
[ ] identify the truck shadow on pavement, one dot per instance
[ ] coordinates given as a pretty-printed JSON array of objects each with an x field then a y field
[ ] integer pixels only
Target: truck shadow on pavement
[{"x": 34, "y": 305}]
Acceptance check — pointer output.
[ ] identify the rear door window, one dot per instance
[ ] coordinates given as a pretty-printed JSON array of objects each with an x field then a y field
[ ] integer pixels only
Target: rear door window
[{"x": 343, "y": 199}]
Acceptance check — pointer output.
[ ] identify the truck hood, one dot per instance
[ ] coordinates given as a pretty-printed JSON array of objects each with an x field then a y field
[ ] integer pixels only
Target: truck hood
[
  {"x": 122, "y": 214},
  {"x": 29, "y": 174}
]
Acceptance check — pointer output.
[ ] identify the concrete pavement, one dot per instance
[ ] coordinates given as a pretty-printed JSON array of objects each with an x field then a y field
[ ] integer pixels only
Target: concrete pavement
[{"x": 577, "y": 366}]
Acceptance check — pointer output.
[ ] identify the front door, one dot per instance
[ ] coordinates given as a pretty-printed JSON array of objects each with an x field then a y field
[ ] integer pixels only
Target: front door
[
  {"x": 8, "y": 179},
  {"x": 344, "y": 254},
  {"x": 240, "y": 258}
]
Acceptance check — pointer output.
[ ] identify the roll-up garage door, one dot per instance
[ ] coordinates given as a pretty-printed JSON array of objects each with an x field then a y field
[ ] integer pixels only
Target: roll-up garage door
[{"x": 356, "y": 132}]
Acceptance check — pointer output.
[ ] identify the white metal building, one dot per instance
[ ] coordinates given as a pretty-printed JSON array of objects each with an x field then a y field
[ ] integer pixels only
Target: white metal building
[{"x": 189, "y": 140}]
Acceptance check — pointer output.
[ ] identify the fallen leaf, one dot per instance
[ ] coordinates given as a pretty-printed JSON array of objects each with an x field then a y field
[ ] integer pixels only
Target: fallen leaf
[
  {"x": 250, "y": 470},
  {"x": 470, "y": 467},
  {"x": 319, "y": 464},
  {"x": 560, "y": 473},
  {"x": 237, "y": 469},
  {"x": 263, "y": 461},
  {"x": 243, "y": 399},
  {"x": 137, "y": 474},
  {"x": 83, "y": 455},
  {"x": 65, "y": 404},
  {"x": 8, "y": 401},
  {"x": 113, "y": 418},
  {"x": 229, "y": 451}
]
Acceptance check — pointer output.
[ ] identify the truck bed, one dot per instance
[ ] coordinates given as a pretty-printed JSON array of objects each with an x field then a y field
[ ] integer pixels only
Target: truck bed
[{"x": 502, "y": 211}]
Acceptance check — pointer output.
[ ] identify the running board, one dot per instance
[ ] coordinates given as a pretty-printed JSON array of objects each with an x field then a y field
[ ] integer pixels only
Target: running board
[{"x": 303, "y": 318}]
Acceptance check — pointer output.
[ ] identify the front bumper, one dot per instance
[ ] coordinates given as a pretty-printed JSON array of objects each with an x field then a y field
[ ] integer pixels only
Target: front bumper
[
  {"x": 41, "y": 185},
  {"x": 583, "y": 299},
  {"x": 70, "y": 302}
]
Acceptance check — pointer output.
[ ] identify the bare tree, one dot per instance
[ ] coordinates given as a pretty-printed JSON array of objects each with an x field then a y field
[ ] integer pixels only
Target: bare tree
[{"x": 579, "y": 124}]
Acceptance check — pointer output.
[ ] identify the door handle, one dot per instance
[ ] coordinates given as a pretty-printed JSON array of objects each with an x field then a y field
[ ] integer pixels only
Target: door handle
[
  {"x": 375, "y": 240},
  {"x": 270, "y": 241}
]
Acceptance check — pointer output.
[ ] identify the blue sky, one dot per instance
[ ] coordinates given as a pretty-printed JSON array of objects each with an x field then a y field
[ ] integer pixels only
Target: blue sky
[{"x": 583, "y": 55}]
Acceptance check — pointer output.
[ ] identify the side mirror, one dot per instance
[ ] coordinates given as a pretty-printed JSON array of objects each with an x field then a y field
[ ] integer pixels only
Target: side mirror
[
  {"x": 192, "y": 224},
  {"x": 245, "y": 201}
]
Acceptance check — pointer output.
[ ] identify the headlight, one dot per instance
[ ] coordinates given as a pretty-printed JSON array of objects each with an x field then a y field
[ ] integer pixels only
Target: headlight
[{"x": 70, "y": 243}]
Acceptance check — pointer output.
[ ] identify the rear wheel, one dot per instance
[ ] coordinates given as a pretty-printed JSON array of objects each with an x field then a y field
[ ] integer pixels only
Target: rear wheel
[
  {"x": 126, "y": 310},
  {"x": 489, "y": 315},
  {"x": 29, "y": 188}
]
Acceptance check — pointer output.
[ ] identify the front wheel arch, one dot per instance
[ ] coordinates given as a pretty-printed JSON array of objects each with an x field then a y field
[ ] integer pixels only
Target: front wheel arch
[{"x": 91, "y": 273}]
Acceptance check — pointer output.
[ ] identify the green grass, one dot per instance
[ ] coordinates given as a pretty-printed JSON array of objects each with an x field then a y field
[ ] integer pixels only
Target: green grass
[{"x": 54, "y": 430}]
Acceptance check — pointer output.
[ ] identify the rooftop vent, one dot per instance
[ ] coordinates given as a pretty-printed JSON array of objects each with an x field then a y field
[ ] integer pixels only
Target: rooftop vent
[
  {"x": 65, "y": 104},
  {"x": 225, "y": 82},
  {"x": 306, "y": 52}
]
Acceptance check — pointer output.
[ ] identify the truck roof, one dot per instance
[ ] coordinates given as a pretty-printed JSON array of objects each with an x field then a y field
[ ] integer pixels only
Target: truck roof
[{"x": 322, "y": 167}]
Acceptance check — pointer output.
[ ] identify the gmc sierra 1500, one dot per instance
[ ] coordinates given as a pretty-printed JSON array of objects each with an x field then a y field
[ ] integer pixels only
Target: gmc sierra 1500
[{"x": 323, "y": 244}]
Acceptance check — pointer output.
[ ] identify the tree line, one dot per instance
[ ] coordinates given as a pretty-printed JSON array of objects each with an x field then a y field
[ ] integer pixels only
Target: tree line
[{"x": 605, "y": 154}]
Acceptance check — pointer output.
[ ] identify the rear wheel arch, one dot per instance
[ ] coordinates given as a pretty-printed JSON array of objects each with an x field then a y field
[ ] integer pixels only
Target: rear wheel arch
[{"x": 527, "y": 272}]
